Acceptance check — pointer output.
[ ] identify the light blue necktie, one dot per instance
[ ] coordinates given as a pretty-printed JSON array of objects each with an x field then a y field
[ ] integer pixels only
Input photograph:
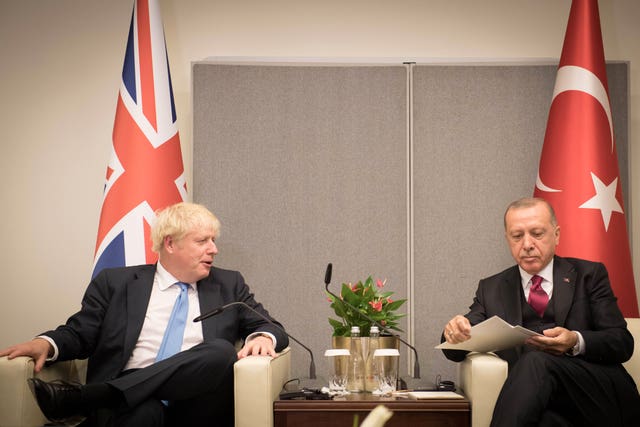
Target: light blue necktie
[{"x": 172, "y": 340}]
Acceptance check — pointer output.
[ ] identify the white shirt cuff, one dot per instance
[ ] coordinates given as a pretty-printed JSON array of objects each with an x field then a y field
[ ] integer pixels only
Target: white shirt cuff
[
  {"x": 53, "y": 344},
  {"x": 579, "y": 348},
  {"x": 268, "y": 334}
]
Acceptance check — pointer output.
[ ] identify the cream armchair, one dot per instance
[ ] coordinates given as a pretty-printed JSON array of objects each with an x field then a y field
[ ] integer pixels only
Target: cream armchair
[
  {"x": 482, "y": 375},
  {"x": 258, "y": 381}
]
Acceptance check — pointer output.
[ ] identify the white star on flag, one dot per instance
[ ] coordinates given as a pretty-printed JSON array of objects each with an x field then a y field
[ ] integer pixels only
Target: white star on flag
[{"x": 605, "y": 199}]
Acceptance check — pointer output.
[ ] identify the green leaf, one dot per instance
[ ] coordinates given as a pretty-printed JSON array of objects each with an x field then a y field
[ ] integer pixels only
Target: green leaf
[{"x": 395, "y": 304}]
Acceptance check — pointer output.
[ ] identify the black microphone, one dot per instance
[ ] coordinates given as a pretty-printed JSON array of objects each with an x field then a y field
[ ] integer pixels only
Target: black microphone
[
  {"x": 312, "y": 366},
  {"x": 327, "y": 275},
  {"x": 327, "y": 280}
]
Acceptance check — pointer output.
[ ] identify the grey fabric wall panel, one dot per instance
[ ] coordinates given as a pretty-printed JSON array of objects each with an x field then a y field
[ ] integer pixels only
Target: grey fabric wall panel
[
  {"x": 478, "y": 134},
  {"x": 306, "y": 165}
]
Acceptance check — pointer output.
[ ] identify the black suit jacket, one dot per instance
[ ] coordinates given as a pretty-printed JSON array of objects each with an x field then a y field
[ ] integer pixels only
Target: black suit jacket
[
  {"x": 582, "y": 299},
  {"x": 107, "y": 326}
]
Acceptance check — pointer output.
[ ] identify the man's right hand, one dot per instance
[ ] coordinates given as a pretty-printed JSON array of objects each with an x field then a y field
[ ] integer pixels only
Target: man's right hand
[
  {"x": 38, "y": 349},
  {"x": 457, "y": 330}
]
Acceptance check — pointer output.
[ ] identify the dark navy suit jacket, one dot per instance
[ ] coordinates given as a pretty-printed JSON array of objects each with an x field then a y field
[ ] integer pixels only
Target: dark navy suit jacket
[
  {"x": 582, "y": 300},
  {"x": 106, "y": 328}
]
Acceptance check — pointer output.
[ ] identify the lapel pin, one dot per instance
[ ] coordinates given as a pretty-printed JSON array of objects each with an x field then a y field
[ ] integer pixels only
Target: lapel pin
[{"x": 566, "y": 280}]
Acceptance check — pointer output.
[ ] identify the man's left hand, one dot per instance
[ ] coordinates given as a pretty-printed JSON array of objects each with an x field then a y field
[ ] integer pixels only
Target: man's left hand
[
  {"x": 258, "y": 346},
  {"x": 555, "y": 340}
]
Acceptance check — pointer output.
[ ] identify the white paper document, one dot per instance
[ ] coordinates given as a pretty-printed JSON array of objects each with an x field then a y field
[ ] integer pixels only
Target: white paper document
[
  {"x": 434, "y": 395},
  {"x": 492, "y": 335}
]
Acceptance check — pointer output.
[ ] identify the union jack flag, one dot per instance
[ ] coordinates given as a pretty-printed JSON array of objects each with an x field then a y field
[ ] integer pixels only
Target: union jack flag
[{"x": 145, "y": 172}]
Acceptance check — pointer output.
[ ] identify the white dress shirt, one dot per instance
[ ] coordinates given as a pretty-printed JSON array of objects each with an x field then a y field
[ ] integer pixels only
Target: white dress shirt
[{"x": 163, "y": 297}]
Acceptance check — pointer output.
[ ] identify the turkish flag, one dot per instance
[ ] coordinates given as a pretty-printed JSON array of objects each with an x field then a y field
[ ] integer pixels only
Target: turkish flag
[{"x": 578, "y": 171}]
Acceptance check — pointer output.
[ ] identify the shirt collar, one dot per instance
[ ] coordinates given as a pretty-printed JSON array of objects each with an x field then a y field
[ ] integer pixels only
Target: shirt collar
[
  {"x": 166, "y": 279},
  {"x": 546, "y": 273}
]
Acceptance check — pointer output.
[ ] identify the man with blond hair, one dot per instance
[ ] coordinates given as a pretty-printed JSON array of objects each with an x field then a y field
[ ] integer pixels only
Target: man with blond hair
[{"x": 121, "y": 330}]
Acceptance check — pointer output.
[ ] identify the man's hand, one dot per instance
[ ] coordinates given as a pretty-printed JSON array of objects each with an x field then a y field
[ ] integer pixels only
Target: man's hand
[
  {"x": 457, "y": 330},
  {"x": 555, "y": 340},
  {"x": 258, "y": 346},
  {"x": 38, "y": 349}
]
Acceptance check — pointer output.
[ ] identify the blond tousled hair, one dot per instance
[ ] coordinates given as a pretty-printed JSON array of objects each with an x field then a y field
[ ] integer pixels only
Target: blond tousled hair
[{"x": 179, "y": 219}]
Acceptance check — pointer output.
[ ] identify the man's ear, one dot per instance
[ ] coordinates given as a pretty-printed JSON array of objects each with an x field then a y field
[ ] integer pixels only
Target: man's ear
[
  {"x": 557, "y": 234},
  {"x": 168, "y": 243}
]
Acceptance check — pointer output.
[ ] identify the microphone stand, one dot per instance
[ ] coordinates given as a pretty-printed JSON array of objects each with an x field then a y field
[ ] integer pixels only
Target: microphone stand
[
  {"x": 312, "y": 365},
  {"x": 416, "y": 363}
]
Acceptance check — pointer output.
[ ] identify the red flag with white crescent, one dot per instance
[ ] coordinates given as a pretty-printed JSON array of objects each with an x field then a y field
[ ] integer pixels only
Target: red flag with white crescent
[{"x": 578, "y": 171}]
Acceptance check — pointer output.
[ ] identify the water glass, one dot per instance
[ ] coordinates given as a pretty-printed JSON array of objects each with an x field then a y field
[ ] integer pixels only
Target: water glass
[
  {"x": 338, "y": 370},
  {"x": 387, "y": 370}
]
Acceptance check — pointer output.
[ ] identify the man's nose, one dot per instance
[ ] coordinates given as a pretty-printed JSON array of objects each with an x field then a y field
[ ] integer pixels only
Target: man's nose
[
  {"x": 527, "y": 242},
  {"x": 213, "y": 248}
]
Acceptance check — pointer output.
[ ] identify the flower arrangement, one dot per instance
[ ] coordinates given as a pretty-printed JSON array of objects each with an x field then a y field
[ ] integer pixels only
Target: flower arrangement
[{"x": 369, "y": 298}]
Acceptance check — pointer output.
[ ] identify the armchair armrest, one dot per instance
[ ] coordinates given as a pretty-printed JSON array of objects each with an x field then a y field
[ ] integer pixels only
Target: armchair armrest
[
  {"x": 258, "y": 381},
  {"x": 17, "y": 405},
  {"x": 481, "y": 378}
]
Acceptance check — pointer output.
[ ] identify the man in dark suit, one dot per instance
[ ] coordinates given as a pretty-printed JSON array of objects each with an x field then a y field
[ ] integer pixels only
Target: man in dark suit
[
  {"x": 121, "y": 327},
  {"x": 572, "y": 375}
]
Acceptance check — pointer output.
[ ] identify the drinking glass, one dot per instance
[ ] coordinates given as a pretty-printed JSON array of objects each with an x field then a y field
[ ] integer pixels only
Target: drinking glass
[
  {"x": 338, "y": 370},
  {"x": 387, "y": 370}
]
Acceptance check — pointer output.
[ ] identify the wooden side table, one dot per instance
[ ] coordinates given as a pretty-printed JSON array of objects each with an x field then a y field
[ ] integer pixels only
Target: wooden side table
[{"x": 340, "y": 411}]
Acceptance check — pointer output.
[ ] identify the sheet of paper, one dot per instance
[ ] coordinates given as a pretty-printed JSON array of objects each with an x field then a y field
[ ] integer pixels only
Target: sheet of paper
[
  {"x": 434, "y": 395},
  {"x": 492, "y": 335}
]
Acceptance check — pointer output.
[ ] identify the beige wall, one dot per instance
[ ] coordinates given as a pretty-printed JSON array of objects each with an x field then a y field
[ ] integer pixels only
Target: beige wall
[{"x": 59, "y": 76}]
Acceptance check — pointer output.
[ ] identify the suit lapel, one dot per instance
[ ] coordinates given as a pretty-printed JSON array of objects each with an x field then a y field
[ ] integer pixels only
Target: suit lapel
[
  {"x": 210, "y": 299},
  {"x": 138, "y": 295},
  {"x": 511, "y": 296},
  {"x": 564, "y": 286}
]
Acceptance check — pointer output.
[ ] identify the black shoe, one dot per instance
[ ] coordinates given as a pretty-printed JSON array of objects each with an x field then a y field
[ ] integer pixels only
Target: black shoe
[{"x": 59, "y": 401}]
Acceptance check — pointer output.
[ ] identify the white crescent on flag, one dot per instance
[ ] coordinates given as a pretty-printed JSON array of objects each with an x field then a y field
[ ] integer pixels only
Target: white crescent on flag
[
  {"x": 571, "y": 77},
  {"x": 542, "y": 187}
]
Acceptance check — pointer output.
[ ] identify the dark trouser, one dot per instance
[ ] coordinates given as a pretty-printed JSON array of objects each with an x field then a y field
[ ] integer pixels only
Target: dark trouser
[
  {"x": 198, "y": 383},
  {"x": 547, "y": 390}
]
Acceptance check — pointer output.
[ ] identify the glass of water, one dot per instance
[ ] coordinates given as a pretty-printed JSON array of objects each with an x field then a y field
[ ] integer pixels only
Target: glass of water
[
  {"x": 338, "y": 370},
  {"x": 387, "y": 370}
]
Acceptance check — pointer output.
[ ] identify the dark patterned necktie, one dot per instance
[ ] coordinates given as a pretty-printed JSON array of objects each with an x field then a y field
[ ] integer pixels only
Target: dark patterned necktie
[{"x": 538, "y": 298}]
